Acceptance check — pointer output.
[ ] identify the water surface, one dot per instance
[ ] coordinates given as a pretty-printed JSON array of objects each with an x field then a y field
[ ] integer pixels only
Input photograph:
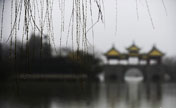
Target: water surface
[{"x": 87, "y": 95}]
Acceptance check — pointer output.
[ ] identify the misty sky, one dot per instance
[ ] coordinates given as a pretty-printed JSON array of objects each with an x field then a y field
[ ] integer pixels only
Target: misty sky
[{"x": 129, "y": 27}]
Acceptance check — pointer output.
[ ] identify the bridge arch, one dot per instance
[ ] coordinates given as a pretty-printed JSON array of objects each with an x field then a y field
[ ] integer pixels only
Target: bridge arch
[
  {"x": 132, "y": 73},
  {"x": 138, "y": 69}
]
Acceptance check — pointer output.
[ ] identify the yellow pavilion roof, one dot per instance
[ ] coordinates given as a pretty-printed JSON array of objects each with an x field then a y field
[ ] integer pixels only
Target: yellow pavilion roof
[
  {"x": 155, "y": 52},
  {"x": 133, "y": 47},
  {"x": 113, "y": 52}
]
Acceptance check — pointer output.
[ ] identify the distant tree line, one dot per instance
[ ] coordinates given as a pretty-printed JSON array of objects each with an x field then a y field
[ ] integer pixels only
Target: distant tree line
[
  {"x": 170, "y": 66},
  {"x": 35, "y": 57}
]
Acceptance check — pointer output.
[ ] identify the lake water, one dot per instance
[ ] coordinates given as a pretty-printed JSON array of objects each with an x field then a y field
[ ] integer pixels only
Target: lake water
[{"x": 87, "y": 95}]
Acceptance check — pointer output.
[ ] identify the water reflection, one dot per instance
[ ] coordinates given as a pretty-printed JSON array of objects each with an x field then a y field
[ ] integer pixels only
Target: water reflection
[{"x": 88, "y": 95}]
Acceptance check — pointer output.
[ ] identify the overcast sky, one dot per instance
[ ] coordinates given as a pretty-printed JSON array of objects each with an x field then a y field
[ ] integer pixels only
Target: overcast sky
[{"x": 129, "y": 27}]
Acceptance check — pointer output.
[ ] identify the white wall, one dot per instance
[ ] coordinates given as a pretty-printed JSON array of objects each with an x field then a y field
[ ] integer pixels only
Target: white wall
[{"x": 133, "y": 60}]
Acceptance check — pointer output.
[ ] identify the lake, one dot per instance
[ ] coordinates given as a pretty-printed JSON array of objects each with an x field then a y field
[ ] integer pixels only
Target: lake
[{"x": 54, "y": 94}]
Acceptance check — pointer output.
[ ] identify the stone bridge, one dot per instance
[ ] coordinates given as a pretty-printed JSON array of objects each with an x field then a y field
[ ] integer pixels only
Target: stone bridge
[{"x": 149, "y": 72}]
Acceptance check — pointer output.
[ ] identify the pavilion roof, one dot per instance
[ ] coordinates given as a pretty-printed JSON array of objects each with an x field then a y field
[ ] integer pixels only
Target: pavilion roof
[
  {"x": 133, "y": 47},
  {"x": 113, "y": 52},
  {"x": 155, "y": 52}
]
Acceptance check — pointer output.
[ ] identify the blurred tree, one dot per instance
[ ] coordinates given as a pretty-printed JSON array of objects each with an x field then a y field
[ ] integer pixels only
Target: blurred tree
[
  {"x": 170, "y": 65},
  {"x": 88, "y": 63},
  {"x": 35, "y": 48},
  {"x": 64, "y": 51}
]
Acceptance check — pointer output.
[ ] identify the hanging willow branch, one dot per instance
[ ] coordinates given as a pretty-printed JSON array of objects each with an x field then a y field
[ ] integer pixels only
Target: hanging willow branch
[
  {"x": 164, "y": 7},
  {"x": 137, "y": 10},
  {"x": 2, "y": 19},
  {"x": 148, "y": 9},
  {"x": 36, "y": 16}
]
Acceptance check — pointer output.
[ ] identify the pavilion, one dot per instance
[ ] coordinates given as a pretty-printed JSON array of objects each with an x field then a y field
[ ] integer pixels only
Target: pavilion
[{"x": 154, "y": 56}]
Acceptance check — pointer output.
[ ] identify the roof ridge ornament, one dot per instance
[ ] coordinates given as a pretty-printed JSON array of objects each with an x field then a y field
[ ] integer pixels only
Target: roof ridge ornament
[
  {"x": 133, "y": 42},
  {"x": 154, "y": 45},
  {"x": 113, "y": 45}
]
